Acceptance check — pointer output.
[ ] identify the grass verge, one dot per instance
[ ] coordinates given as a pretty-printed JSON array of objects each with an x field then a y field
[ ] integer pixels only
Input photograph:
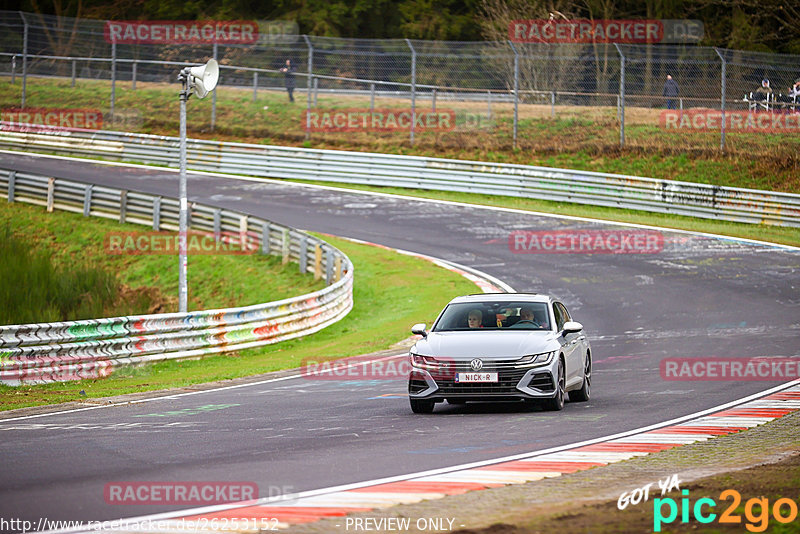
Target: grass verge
[
  {"x": 33, "y": 289},
  {"x": 215, "y": 281}
]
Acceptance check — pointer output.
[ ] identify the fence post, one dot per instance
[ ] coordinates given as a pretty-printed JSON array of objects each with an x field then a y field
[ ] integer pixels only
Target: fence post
[
  {"x": 316, "y": 90},
  {"x": 552, "y": 104},
  {"x": 214, "y": 94},
  {"x": 310, "y": 81},
  {"x": 51, "y": 194},
  {"x": 113, "y": 76},
  {"x": 516, "y": 90},
  {"x": 24, "y": 63},
  {"x": 255, "y": 86},
  {"x": 722, "y": 101},
  {"x": 337, "y": 268},
  {"x": 87, "y": 200},
  {"x": 285, "y": 244},
  {"x": 308, "y": 110},
  {"x": 217, "y": 224},
  {"x": 413, "y": 88},
  {"x": 433, "y": 98},
  {"x": 303, "y": 261},
  {"x": 243, "y": 241},
  {"x": 265, "y": 245},
  {"x": 74, "y": 71},
  {"x": 621, "y": 96},
  {"x": 133, "y": 76},
  {"x": 13, "y": 69},
  {"x": 371, "y": 97},
  {"x": 123, "y": 206},
  {"x": 317, "y": 262},
  {"x": 310, "y": 65},
  {"x": 489, "y": 105},
  {"x": 157, "y": 214},
  {"x": 12, "y": 178},
  {"x": 328, "y": 266}
]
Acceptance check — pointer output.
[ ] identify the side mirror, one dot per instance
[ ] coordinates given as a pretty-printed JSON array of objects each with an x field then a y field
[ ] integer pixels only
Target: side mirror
[
  {"x": 419, "y": 329},
  {"x": 572, "y": 326}
]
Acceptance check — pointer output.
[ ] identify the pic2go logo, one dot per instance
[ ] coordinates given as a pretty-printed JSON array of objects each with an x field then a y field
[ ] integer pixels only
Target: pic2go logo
[{"x": 756, "y": 511}]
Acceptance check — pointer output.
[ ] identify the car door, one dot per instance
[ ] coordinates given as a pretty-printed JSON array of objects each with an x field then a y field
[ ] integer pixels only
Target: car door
[{"x": 571, "y": 343}]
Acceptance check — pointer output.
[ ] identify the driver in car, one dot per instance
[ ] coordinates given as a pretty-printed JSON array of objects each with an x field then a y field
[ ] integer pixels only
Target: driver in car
[
  {"x": 526, "y": 319},
  {"x": 475, "y": 319}
]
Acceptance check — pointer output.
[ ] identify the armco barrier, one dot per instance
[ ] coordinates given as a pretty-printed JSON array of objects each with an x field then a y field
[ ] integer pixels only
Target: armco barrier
[
  {"x": 562, "y": 185},
  {"x": 32, "y": 353}
]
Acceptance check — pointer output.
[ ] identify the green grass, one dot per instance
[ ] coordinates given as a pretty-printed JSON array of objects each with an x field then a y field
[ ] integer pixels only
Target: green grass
[
  {"x": 33, "y": 289},
  {"x": 391, "y": 292},
  {"x": 215, "y": 281}
]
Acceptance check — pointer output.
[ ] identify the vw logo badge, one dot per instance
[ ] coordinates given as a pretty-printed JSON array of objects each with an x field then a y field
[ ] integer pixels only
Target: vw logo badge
[{"x": 476, "y": 364}]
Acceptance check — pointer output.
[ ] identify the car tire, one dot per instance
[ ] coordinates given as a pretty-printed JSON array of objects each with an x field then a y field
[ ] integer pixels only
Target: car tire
[
  {"x": 421, "y": 405},
  {"x": 557, "y": 402},
  {"x": 583, "y": 394}
]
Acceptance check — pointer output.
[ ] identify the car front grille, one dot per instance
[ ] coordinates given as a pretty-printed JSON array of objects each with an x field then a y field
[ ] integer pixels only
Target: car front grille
[{"x": 507, "y": 382}]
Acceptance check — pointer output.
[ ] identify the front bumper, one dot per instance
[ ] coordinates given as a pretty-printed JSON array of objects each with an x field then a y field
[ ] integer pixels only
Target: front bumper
[{"x": 531, "y": 383}]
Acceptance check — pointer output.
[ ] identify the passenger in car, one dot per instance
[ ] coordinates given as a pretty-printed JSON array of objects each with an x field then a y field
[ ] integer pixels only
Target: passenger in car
[
  {"x": 475, "y": 319},
  {"x": 526, "y": 319}
]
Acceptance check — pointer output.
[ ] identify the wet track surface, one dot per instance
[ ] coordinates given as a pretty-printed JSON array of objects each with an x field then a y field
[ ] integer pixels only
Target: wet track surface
[{"x": 697, "y": 297}]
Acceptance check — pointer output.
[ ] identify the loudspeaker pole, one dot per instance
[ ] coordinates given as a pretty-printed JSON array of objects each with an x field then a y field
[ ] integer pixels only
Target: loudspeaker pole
[
  {"x": 183, "y": 290},
  {"x": 199, "y": 81}
]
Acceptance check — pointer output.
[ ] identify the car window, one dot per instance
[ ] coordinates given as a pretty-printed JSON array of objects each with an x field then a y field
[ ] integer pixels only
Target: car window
[
  {"x": 564, "y": 312},
  {"x": 559, "y": 314},
  {"x": 493, "y": 315}
]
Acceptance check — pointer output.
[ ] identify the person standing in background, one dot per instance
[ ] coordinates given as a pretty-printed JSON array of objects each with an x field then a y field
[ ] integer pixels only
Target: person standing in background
[
  {"x": 670, "y": 91},
  {"x": 288, "y": 78}
]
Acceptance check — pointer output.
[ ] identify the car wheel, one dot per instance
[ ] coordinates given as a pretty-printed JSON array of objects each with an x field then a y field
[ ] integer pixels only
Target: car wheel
[
  {"x": 557, "y": 403},
  {"x": 582, "y": 395},
  {"x": 421, "y": 405}
]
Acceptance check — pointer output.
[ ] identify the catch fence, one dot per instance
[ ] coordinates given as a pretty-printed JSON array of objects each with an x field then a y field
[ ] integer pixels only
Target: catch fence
[{"x": 499, "y": 93}]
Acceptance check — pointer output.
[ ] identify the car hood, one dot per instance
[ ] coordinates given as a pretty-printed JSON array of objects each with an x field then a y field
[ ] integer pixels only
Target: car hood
[{"x": 491, "y": 344}]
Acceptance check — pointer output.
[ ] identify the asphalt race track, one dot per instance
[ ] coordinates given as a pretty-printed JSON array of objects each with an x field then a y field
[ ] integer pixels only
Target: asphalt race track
[{"x": 698, "y": 297}]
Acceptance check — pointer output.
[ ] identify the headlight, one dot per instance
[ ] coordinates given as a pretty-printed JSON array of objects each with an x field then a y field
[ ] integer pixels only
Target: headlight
[
  {"x": 535, "y": 360},
  {"x": 424, "y": 362}
]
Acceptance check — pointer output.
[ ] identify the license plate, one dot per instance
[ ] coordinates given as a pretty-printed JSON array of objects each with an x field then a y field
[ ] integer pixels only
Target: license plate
[{"x": 476, "y": 377}]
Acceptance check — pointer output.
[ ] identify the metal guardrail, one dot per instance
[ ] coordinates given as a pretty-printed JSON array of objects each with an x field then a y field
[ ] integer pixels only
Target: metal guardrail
[
  {"x": 46, "y": 352},
  {"x": 542, "y": 183}
]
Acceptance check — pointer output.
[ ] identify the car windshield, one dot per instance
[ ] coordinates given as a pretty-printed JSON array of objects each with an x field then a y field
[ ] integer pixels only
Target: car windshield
[{"x": 494, "y": 315}]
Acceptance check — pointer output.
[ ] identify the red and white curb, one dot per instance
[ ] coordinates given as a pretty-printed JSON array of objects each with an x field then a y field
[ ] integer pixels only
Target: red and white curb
[{"x": 307, "y": 507}]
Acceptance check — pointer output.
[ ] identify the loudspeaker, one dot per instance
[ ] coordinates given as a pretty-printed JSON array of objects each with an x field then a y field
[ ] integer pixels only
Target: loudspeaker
[{"x": 204, "y": 78}]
